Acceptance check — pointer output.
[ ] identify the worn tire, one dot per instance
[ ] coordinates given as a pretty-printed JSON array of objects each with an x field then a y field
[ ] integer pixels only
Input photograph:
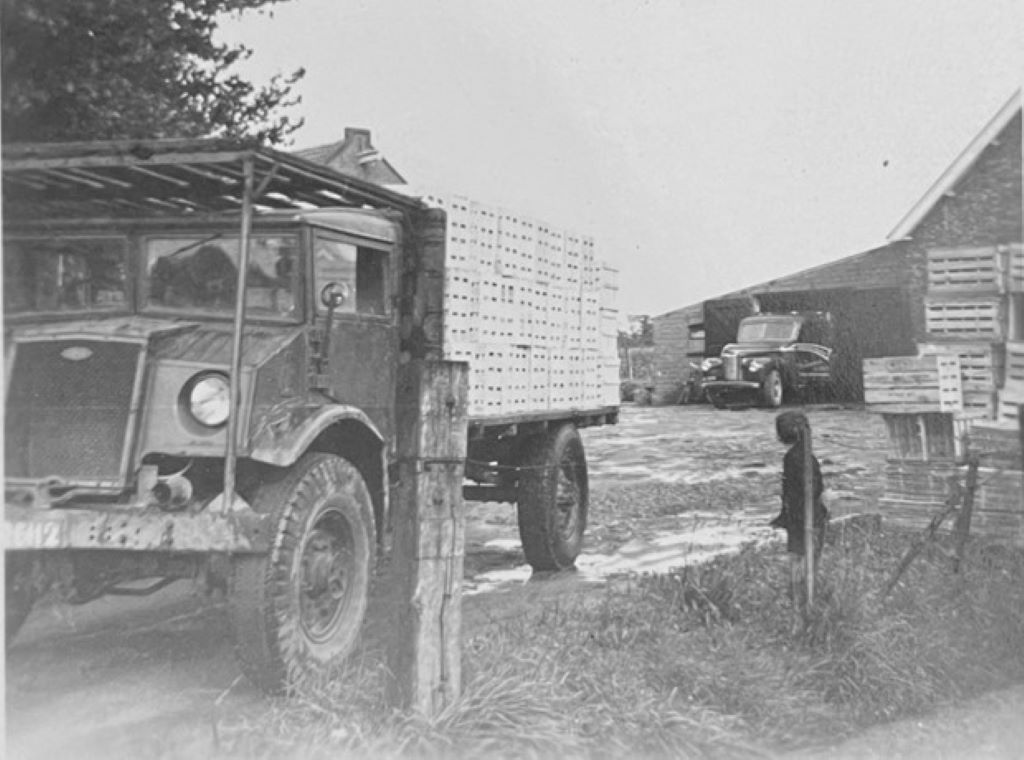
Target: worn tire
[
  {"x": 553, "y": 499},
  {"x": 771, "y": 390},
  {"x": 300, "y": 607},
  {"x": 19, "y": 593}
]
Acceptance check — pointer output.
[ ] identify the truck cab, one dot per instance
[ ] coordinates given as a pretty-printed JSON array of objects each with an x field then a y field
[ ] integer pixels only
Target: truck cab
[
  {"x": 119, "y": 341},
  {"x": 775, "y": 357}
]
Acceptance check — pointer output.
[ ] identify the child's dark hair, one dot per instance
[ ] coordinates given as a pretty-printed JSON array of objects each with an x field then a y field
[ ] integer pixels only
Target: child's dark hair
[{"x": 788, "y": 426}]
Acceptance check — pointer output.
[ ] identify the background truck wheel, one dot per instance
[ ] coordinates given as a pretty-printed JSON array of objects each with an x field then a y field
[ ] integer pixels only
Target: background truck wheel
[
  {"x": 19, "y": 593},
  {"x": 553, "y": 499},
  {"x": 771, "y": 390},
  {"x": 301, "y": 606}
]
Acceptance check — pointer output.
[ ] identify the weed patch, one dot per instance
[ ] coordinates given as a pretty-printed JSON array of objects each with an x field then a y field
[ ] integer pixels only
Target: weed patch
[{"x": 699, "y": 663}]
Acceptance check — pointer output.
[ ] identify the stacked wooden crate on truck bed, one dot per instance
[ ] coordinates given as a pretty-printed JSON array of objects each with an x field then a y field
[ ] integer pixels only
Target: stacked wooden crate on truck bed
[
  {"x": 959, "y": 396},
  {"x": 532, "y": 309}
]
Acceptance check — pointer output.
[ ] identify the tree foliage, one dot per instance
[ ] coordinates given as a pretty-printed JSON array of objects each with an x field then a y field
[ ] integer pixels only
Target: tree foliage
[
  {"x": 127, "y": 69},
  {"x": 640, "y": 332}
]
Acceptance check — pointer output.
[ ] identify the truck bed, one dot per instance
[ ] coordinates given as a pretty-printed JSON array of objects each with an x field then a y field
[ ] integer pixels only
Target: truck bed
[{"x": 532, "y": 309}]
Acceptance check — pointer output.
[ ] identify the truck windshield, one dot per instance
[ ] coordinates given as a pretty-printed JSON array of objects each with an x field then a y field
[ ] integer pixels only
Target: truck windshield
[
  {"x": 65, "y": 274},
  {"x": 190, "y": 273},
  {"x": 768, "y": 329}
]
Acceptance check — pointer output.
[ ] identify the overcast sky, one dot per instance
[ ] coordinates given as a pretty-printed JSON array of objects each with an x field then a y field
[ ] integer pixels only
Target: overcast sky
[{"x": 707, "y": 144}]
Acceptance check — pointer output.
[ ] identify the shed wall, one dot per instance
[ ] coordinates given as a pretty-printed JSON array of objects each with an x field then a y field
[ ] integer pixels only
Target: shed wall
[{"x": 676, "y": 344}]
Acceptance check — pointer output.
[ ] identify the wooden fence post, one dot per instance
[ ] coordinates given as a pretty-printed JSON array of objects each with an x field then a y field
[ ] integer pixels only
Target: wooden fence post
[
  {"x": 809, "y": 505},
  {"x": 429, "y": 541},
  {"x": 962, "y": 528}
]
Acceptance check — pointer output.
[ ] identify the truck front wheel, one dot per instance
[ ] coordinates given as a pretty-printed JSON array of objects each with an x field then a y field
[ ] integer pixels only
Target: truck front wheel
[
  {"x": 553, "y": 499},
  {"x": 300, "y": 607},
  {"x": 771, "y": 390}
]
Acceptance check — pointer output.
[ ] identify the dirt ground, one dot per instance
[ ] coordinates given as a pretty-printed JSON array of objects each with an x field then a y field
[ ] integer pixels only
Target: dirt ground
[{"x": 155, "y": 677}]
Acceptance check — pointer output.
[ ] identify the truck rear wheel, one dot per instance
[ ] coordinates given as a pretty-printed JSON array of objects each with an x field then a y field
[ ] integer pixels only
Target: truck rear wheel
[
  {"x": 553, "y": 499},
  {"x": 300, "y": 607},
  {"x": 771, "y": 389}
]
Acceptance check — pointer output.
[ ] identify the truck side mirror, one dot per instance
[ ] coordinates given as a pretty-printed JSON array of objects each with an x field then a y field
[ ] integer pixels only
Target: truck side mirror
[{"x": 334, "y": 294}]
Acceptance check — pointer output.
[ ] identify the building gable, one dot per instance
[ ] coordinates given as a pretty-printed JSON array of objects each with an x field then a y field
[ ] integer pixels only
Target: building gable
[{"x": 1002, "y": 131}]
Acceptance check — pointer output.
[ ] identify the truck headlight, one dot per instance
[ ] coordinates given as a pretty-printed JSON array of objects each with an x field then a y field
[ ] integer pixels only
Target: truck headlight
[
  {"x": 755, "y": 365},
  {"x": 708, "y": 364},
  {"x": 208, "y": 398}
]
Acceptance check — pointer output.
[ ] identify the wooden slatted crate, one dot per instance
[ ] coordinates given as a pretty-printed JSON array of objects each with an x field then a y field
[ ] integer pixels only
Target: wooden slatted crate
[
  {"x": 919, "y": 480},
  {"x": 924, "y": 437},
  {"x": 916, "y": 491},
  {"x": 998, "y": 524},
  {"x": 1015, "y": 268},
  {"x": 981, "y": 364},
  {"x": 964, "y": 270},
  {"x": 1012, "y": 393},
  {"x": 610, "y": 383},
  {"x": 913, "y": 384},
  {"x": 1000, "y": 490},
  {"x": 981, "y": 371},
  {"x": 609, "y": 286},
  {"x": 1011, "y": 396},
  {"x": 979, "y": 318},
  {"x": 1014, "y": 362},
  {"x": 540, "y": 378},
  {"x": 997, "y": 442}
]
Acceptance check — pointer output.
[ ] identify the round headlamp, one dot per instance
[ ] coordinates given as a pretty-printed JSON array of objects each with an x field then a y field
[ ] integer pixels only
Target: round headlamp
[
  {"x": 208, "y": 397},
  {"x": 711, "y": 362}
]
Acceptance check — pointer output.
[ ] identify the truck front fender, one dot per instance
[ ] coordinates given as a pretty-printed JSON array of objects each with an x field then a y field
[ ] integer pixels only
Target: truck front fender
[{"x": 280, "y": 441}]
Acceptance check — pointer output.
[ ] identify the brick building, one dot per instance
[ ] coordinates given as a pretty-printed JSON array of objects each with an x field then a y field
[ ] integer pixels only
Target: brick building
[
  {"x": 975, "y": 205},
  {"x": 879, "y": 298}
]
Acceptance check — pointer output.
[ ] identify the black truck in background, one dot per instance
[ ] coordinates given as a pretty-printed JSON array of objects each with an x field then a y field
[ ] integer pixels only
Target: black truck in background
[{"x": 775, "y": 358}]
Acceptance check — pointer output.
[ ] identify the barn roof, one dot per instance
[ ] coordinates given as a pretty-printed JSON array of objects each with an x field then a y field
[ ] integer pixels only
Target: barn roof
[
  {"x": 882, "y": 267},
  {"x": 958, "y": 169}
]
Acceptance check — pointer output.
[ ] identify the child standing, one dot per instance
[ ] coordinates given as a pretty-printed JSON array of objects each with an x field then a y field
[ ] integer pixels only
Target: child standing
[{"x": 790, "y": 427}]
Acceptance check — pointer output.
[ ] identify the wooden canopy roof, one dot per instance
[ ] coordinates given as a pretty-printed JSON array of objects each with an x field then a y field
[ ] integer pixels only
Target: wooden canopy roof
[{"x": 171, "y": 177}]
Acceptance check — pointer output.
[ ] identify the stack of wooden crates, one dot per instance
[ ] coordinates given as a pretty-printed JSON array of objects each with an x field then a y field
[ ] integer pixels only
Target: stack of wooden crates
[
  {"x": 958, "y": 397},
  {"x": 533, "y": 310}
]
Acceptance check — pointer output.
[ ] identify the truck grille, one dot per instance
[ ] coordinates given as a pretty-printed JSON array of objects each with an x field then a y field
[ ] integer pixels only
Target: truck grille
[
  {"x": 731, "y": 365},
  {"x": 68, "y": 409}
]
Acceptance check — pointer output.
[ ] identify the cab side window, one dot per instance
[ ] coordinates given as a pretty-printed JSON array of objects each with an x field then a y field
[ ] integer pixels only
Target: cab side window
[
  {"x": 361, "y": 271},
  {"x": 817, "y": 330}
]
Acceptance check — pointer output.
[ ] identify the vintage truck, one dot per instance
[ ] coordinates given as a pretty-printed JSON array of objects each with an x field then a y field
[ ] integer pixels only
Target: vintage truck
[
  {"x": 201, "y": 347},
  {"x": 774, "y": 357}
]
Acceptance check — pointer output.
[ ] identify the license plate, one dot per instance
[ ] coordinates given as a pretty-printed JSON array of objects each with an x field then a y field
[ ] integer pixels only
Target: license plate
[{"x": 33, "y": 535}]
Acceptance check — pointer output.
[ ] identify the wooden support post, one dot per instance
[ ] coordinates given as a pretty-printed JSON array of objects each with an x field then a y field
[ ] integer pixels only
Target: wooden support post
[
  {"x": 809, "y": 505},
  {"x": 429, "y": 542}
]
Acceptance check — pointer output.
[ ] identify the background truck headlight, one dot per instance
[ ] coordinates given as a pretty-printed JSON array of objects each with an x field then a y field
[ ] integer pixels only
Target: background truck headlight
[{"x": 208, "y": 398}]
